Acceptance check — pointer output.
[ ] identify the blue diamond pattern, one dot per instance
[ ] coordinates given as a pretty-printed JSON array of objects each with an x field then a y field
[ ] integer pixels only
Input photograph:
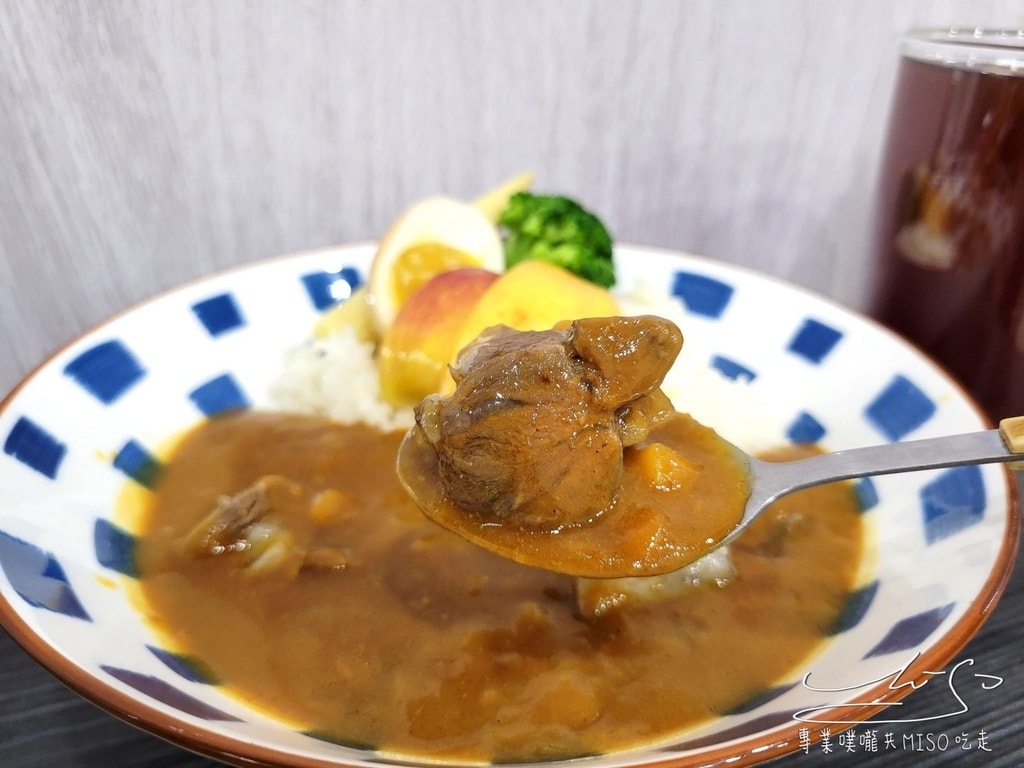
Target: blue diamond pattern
[
  {"x": 867, "y": 493},
  {"x": 166, "y": 693},
  {"x": 38, "y": 577},
  {"x": 364, "y": 746},
  {"x": 219, "y": 314},
  {"x": 814, "y": 340},
  {"x": 138, "y": 463},
  {"x": 911, "y": 631},
  {"x": 702, "y": 295},
  {"x": 953, "y": 501},
  {"x": 115, "y": 547},
  {"x": 757, "y": 725},
  {"x": 767, "y": 695},
  {"x": 34, "y": 447},
  {"x": 219, "y": 395},
  {"x": 188, "y": 667},
  {"x": 326, "y": 289},
  {"x": 805, "y": 429},
  {"x": 106, "y": 371},
  {"x": 855, "y": 609},
  {"x": 732, "y": 369},
  {"x": 900, "y": 408}
]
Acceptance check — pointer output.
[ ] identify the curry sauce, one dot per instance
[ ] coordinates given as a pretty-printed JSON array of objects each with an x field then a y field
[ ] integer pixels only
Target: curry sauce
[{"x": 334, "y": 604}]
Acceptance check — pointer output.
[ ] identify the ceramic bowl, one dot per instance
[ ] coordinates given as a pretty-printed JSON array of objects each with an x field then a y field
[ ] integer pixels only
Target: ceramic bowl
[{"x": 90, "y": 419}]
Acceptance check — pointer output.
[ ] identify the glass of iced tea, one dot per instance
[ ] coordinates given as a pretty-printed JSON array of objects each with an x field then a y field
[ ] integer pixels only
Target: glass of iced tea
[{"x": 949, "y": 227}]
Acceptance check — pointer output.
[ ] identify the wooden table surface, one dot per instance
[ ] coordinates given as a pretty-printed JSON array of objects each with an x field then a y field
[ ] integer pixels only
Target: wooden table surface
[{"x": 146, "y": 144}]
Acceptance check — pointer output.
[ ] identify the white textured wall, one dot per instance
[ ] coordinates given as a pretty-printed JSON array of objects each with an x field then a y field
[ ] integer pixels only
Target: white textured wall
[{"x": 146, "y": 143}]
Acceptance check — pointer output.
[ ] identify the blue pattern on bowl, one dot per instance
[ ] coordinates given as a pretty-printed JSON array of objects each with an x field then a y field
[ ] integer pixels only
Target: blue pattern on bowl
[
  {"x": 219, "y": 314},
  {"x": 855, "y": 609},
  {"x": 115, "y": 547},
  {"x": 867, "y": 494},
  {"x": 352, "y": 744},
  {"x": 953, "y": 501},
  {"x": 168, "y": 694},
  {"x": 220, "y": 394},
  {"x": 107, "y": 370},
  {"x": 805, "y": 429},
  {"x": 732, "y": 369},
  {"x": 747, "y": 728},
  {"x": 702, "y": 294},
  {"x": 764, "y": 697},
  {"x": 38, "y": 577},
  {"x": 814, "y": 340},
  {"x": 326, "y": 289},
  {"x": 138, "y": 463},
  {"x": 900, "y": 408},
  {"x": 911, "y": 630},
  {"x": 184, "y": 666},
  {"x": 34, "y": 447}
]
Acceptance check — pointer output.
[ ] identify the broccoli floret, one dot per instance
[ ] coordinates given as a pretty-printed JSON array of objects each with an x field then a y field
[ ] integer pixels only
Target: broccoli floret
[{"x": 560, "y": 231}]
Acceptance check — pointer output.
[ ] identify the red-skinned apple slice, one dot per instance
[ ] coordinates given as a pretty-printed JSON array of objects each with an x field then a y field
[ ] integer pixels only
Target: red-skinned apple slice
[{"x": 420, "y": 343}]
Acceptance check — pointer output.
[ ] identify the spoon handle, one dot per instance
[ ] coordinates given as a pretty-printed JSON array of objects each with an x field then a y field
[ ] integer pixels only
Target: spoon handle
[{"x": 772, "y": 480}]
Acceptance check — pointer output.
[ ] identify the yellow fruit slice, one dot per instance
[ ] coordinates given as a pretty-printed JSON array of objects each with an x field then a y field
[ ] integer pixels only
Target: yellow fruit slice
[
  {"x": 531, "y": 296},
  {"x": 535, "y": 296},
  {"x": 493, "y": 202},
  {"x": 352, "y": 313}
]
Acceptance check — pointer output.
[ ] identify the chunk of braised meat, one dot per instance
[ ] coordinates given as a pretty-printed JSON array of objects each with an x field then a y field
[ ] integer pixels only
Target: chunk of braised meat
[
  {"x": 264, "y": 528},
  {"x": 228, "y": 528},
  {"x": 535, "y": 428}
]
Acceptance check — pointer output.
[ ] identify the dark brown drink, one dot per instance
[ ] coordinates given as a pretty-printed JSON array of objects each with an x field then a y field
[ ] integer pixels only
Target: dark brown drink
[{"x": 949, "y": 238}]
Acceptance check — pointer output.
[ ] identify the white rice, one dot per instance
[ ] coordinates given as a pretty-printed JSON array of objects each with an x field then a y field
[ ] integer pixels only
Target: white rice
[{"x": 336, "y": 378}]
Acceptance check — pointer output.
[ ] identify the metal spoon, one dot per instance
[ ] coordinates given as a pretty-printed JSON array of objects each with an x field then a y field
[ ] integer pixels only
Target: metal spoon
[
  {"x": 593, "y": 551},
  {"x": 772, "y": 480}
]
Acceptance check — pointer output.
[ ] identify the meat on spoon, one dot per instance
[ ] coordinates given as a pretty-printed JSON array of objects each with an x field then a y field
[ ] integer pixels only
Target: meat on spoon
[{"x": 558, "y": 449}]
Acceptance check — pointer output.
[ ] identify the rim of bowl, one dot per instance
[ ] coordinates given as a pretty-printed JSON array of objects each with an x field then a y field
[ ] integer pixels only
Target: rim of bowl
[{"x": 746, "y": 751}]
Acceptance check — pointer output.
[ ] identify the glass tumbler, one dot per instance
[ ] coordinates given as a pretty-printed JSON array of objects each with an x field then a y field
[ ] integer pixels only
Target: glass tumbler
[{"x": 948, "y": 233}]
